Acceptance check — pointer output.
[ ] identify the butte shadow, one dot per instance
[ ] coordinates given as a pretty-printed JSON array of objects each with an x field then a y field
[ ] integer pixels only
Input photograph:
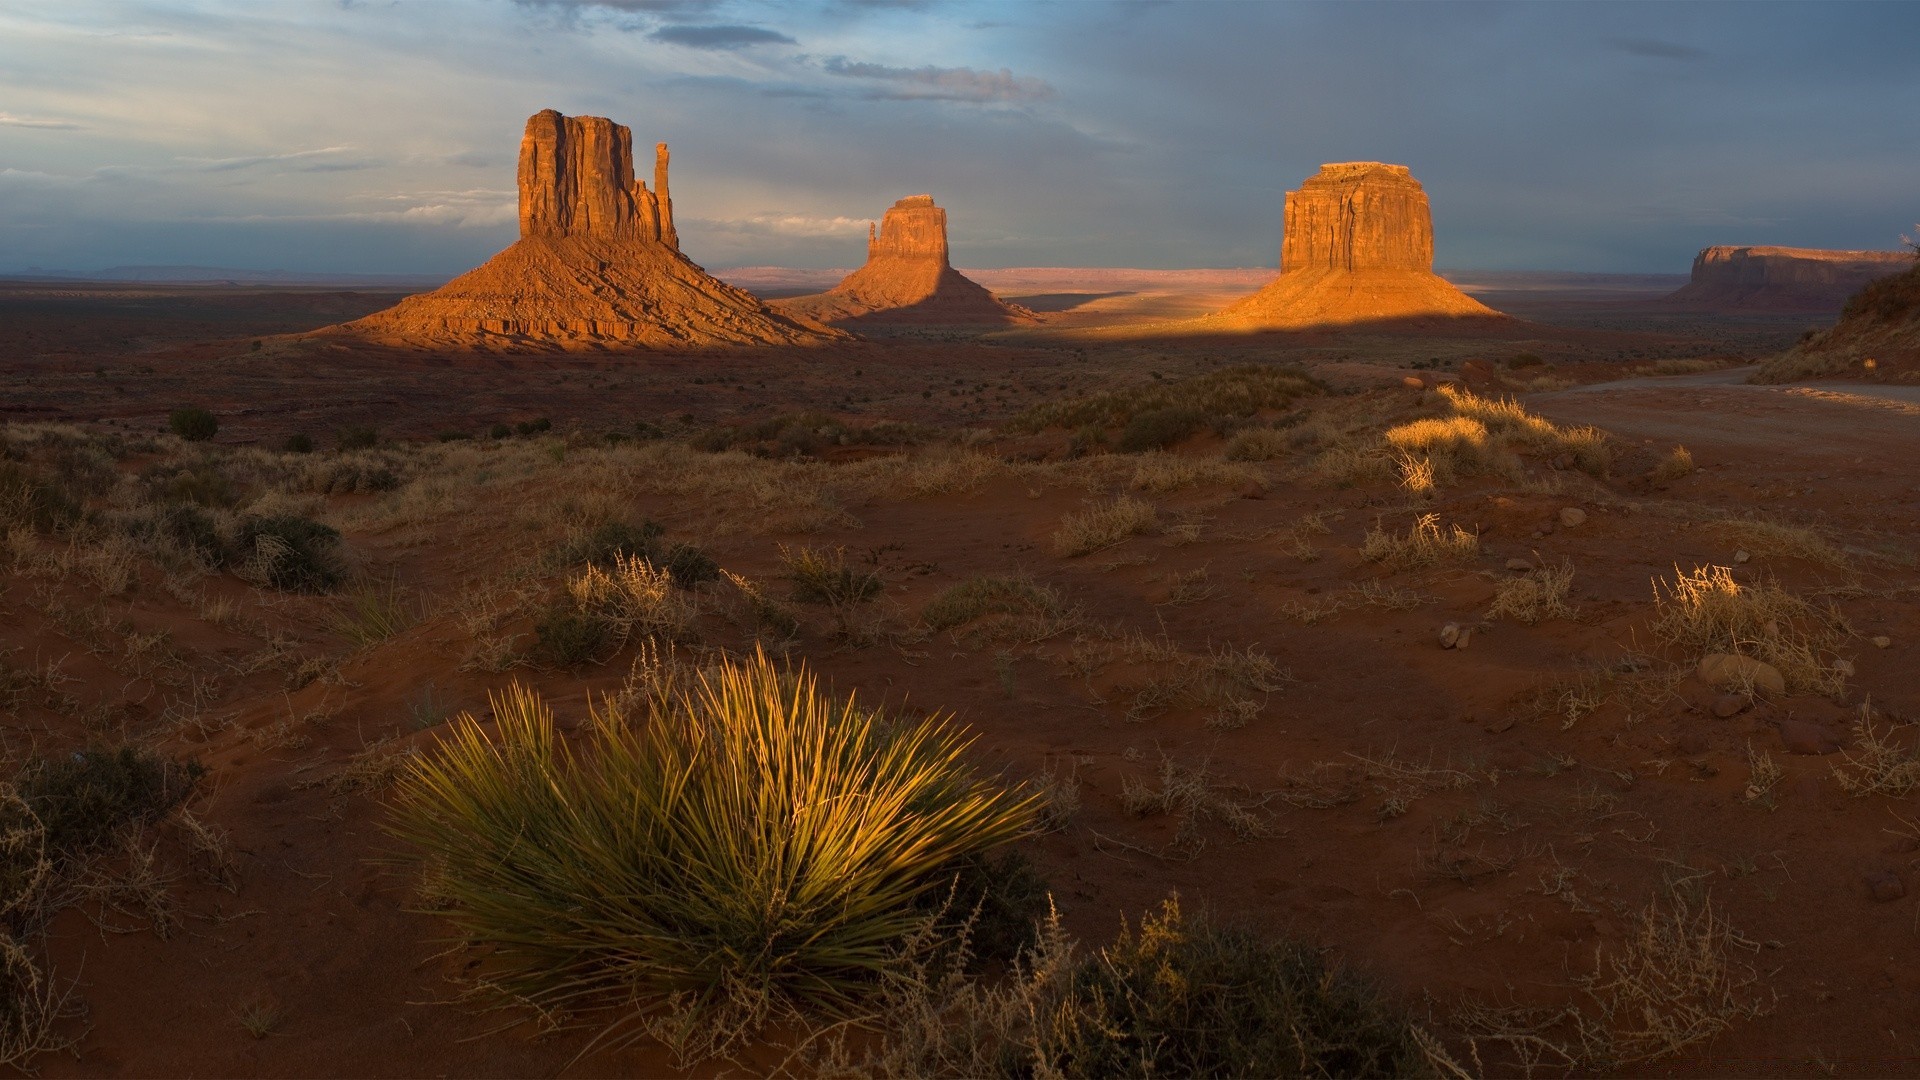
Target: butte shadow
[
  {"x": 907, "y": 280},
  {"x": 598, "y": 266}
]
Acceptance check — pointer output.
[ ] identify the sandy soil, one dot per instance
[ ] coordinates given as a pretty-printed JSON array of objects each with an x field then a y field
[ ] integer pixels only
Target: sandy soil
[{"x": 1434, "y": 816}]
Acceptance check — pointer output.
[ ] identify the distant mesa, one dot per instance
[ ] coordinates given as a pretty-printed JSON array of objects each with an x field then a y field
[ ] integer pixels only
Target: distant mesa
[
  {"x": 907, "y": 279},
  {"x": 598, "y": 264},
  {"x": 1782, "y": 279},
  {"x": 1357, "y": 248}
]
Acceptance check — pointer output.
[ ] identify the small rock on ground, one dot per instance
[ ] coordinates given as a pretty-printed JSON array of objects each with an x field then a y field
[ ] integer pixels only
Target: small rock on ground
[
  {"x": 1573, "y": 516},
  {"x": 1886, "y": 886},
  {"x": 1800, "y": 737}
]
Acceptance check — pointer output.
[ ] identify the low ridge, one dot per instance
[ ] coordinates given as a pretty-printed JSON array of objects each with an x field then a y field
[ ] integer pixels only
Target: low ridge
[{"x": 1781, "y": 279}]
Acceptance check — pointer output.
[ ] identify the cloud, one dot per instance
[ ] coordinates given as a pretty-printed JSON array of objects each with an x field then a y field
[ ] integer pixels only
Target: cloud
[
  {"x": 782, "y": 223},
  {"x": 1658, "y": 50},
  {"x": 304, "y": 159},
  {"x": 720, "y": 37},
  {"x": 10, "y": 120},
  {"x": 944, "y": 84}
]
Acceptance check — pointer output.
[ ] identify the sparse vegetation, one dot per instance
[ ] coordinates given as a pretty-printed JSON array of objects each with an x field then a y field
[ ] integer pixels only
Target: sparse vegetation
[
  {"x": 1102, "y": 526},
  {"x": 1182, "y": 405},
  {"x": 1706, "y": 610},
  {"x": 822, "y": 576},
  {"x": 1538, "y": 594},
  {"x": 737, "y": 839},
  {"x": 193, "y": 424},
  {"x": 1425, "y": 544}
]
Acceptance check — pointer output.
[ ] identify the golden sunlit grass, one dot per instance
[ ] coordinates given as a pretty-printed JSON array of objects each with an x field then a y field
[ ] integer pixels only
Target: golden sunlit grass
[
  {"x": 1508, "y": 422},
  {"x": 1425, "y": 544},
  {"x": 1538, "y": 594},
  {"x": 1777, "y": 539},
  {"x": 1706, "y": 610},
  {"x": 738, "y": 839}
]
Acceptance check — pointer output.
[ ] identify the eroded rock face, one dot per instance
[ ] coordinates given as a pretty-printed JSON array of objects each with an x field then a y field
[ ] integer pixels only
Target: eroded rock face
[
  {"x": 576, "y": 179},
  {"x": 1357, "y": 248},
  {"x": 598, "y": 264},
  {"x": 907, "y": 278},
  {"x": 1782, "y": 279},
  {"x": 1358, "y": 215}
]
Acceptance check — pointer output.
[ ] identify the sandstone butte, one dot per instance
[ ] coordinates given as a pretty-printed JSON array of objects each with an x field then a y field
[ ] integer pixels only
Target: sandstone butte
[
  {"x": 907, "y": 279},
  {"x": 598, "y": 264},
  {"x": 1781, "y": 278},
  {"x": 1357, "y": 247}
]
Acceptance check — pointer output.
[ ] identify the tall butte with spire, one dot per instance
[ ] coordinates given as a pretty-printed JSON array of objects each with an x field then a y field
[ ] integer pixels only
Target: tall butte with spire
[
  {"x": 598, "y": 264},
  {"x": 1357, "y": 247},
  {"x": 907, "y": 278}
]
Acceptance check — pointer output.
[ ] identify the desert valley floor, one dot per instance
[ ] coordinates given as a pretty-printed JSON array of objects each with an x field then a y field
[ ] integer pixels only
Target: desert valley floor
[{"x": 1432, "y": 701}]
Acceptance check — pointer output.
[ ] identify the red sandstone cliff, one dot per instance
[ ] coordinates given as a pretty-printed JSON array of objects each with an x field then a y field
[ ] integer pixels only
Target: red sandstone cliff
[
  {"x": 1781, "y": 279},
  {"x": 1357, "y": 247},
  {"x": 907, "y": 279},
  {"x": 598, "y": 264}
]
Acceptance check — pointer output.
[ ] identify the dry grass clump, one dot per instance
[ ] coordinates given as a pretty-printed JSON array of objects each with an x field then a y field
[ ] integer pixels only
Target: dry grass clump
[
  {"x": 1425, "y": 544},
  {"x": 1230, "y": 392},
  {"x": 1777, "y": 539},
  {"x": 1000, "y": 609},
  {"x": 1193, "y": 799},
  {"x": 1507, "y": 422},
  {"x": 632, "y": 600},
  {"x": 1540, "y": 593},
  {"x": 739, "y": 842},
  {"x": 1103, "y": 526},
  {"x": 1176, "y": 996},
  {"x": 822, "y": 576},
  {"x": 1161, "y": 473},
  {"x": 1876, "y": 765},
  {"x": 1674, "y": 983},
  {"x": 1364, "y": 594},
  {"x": 1677, "y": 464},
  {"x": 1258, "y": 444},
  {"x": 374, "y": 611},
  {"x": 1706, "y": 611}
]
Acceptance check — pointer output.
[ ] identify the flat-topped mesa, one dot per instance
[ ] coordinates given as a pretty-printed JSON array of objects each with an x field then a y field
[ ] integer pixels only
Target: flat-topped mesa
[
  {"x": 1358, "y": 215},
  {"x": 907, "y": 279},
  {"x": 1784, "y": 279},
  {"x": 1357, "y": 247},
  {"x": 912, "y": 228},
  {"x": 576, "y": 179},
  {"x": 597, "y": 266}
]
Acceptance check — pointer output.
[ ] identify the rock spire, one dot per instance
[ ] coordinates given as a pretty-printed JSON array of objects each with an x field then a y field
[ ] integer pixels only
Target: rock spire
[
  {"x": 598, "y": 264},
  {"x": 907, "y": 278}
]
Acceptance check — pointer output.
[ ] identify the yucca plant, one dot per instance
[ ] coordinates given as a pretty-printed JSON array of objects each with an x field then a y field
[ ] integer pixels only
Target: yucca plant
[{"x": 744, "y": 840}]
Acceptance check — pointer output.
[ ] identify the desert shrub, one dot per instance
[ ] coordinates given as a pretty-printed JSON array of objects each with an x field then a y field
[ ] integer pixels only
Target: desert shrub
[
  {"x": 1425, "y": 544},
  {"x": 688, "y": 565},
  {"x": 746, "y": 841},
  {"x": 356, "y": 437},
  {"x": 534, "y": 427},
  {"x": 1512, "y": 426},
  {"x": 201, "y": 483},
  {"x": 499, "y": 431},
  {"x": 182, "y": 527},
  {"x": 570, "y": 637},
  {"x": 1706, "y": 611},
  {"x": 1541, "y": 593},
  {"x": 1230, "y": 392},
  {"x": 1103, "y": 526},
  {"x": 821, "y": 576},
  {"x": 1157, "y": 429},
  {"x": 454, "y": 436},
  {"x": 1179, "y": 996},
  {"x": 631, "y": 600},
  {"x": 30, "y": 499},
  {"x": 1678, "y": 463},
  {"x": 1524, "y": 360},
  {"x": 1888, "y": 299},
  {"x": 83, "y": 799},
  {"x": 288, "y": 552},
  {"x": 612, "y": 541},
  {"x": 193, "y": 424},
  {"x": 373, "y": 612},
  {"x": 298, "y": 443},
  {"x": 998, "y": 901},
  {"x": 1258, "y": 444},
  {"x": 1014, "y": 599}
]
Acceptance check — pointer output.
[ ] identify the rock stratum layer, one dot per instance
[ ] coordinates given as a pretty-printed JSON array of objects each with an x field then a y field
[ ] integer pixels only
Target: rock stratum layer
[
  {"x": 1782, "y": 279},
  {"x": 597, "y": 265},
  {"x": 907, "y": 279},
  {"x": 1357, "y": 248}
]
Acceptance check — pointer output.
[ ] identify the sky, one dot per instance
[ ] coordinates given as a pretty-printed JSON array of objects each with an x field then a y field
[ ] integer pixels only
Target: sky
[{"x": 381, "y": 137}]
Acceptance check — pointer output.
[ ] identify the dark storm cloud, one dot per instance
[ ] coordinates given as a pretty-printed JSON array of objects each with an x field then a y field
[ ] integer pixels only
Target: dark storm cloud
[
  {"x": 720, "y": 37},
  {"x": 944, "y": 84},
  {"x": 1659, "y": 50}
]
